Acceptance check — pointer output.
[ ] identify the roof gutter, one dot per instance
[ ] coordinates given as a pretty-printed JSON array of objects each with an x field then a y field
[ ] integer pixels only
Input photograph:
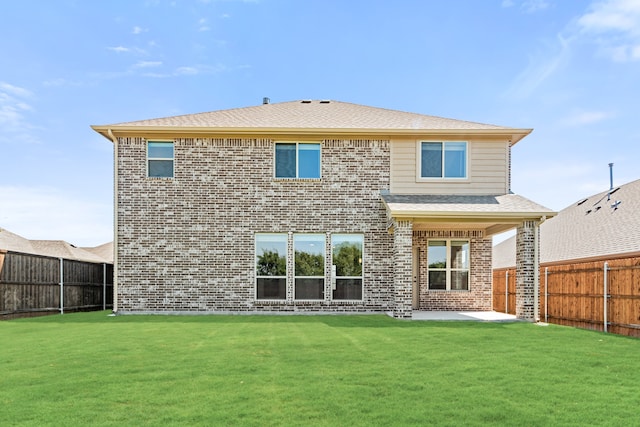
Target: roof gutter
[
  {"x": 514, "y": 135},
  {"x": 457, "y": 215}
]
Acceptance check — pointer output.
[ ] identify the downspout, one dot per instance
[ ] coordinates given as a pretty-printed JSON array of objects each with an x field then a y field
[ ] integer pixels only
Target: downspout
[
  {"x": 536, "y": 269},
  {"x": 115, "y": 220},
  {"x": 506, "y": 292},
  {"x": 606, "y": 291},
  {"x": 546, "y": 294}
]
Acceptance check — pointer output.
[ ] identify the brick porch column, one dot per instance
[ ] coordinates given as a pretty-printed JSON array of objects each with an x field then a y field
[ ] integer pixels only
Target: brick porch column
[
  {"x": 526, "y": 271},
  {"x": 402, "y": 268}
]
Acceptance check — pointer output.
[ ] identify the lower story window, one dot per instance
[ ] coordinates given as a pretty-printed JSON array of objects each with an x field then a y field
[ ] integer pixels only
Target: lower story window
[
  {"x": 271, "y": 266},
  {"x": 276, "y": 253},
  {"x": 346, "y": 252},
  {"x": 309, "y": 252},
  {"x": 448, "y": 265}
]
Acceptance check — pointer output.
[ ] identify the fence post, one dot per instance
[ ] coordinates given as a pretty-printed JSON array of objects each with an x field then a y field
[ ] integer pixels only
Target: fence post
[
  {"x": 104, "y": 286},
  {"x": 606, "y": 291},
  {"x": 61, "y": 286},
  {"x": 546, "y": 295},
  {"x": 506, "y": 292}
]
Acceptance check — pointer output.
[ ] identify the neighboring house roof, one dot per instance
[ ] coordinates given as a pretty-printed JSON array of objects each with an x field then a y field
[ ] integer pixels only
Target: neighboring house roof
[
  {"x": 53, "y": 248},
  {"x": 104, "y": 251},
  {"x": 588, "y": 229},
  {"x": 501, "y": 210},
  {"x": 299, "y": 116}
]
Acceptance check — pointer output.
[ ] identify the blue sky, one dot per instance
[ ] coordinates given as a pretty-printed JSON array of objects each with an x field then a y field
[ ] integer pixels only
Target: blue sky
[{"x": 568, "y": 69}]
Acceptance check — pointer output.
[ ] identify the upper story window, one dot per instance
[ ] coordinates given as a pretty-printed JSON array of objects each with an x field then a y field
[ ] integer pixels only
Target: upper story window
[
  {"x": 160, "y": 159},
  {"x": 297, "y": 160},
  {"x": 443, "y": 159}
]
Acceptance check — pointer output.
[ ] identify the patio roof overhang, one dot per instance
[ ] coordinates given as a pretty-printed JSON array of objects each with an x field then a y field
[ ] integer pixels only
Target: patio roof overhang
[{"x": 491, "y": 214}]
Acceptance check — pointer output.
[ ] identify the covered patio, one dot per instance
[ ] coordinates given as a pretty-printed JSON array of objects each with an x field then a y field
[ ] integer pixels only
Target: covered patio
[{"x": 415, "y": 220}]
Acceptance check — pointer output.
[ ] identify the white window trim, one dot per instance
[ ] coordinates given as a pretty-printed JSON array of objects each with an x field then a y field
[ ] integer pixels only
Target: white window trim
[
  {"x": 333, "y": 277},
  {"x": 324, "y": 275},
  {"x": 173, "y": 159},
  {"x": 448, "y": 269},
  {"x": 420, "y": 178},
  {"x": 297, "y": 177},
  {"x": 255, "y": 270}
]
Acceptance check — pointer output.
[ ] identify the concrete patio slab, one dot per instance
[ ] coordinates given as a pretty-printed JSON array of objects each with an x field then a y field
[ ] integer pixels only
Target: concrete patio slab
[{"x": 476, "y": 316}]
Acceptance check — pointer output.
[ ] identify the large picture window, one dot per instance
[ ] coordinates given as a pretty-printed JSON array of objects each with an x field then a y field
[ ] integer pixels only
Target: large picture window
[
  {"x": 443, "y": 160},
  {"x": 271, "y": 266},
  {"x": 309, "y": 255},
  {"x": 448, "y": 265},
  {"x": 160, "y": 159},
  {"x": 346, "y": 252},
  {"x": 297, "y": 160}
]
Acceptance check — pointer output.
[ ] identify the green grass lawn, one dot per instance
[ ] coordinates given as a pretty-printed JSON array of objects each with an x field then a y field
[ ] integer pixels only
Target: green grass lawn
[{"x": 91, "y": 369}]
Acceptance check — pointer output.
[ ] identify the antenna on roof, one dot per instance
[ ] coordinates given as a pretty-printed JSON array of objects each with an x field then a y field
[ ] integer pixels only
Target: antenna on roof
[{"x": 610, "y": 181}]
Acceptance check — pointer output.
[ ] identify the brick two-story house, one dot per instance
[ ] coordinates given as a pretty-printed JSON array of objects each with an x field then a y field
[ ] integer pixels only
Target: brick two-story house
[{"x": 314, "y": 206}]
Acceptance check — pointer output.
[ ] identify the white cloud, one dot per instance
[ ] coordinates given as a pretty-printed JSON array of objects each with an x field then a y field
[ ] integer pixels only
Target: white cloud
[
  {"x": 612, "y": 15},
  {"x": 180, "y": 71},
  {"x": 532, "y": 6},
  {"x": 57, "y": 82},
  {"x": 203, "y": 26},
  {"x": 15, "y": 90},
  {"x": 190, "y": 71},
  {"x": 583, "y": 118},
  {"x": 147, "y": 64},
  {"x": 123, "y": 49},
  {"x": 615, "y": 27},
  {"x": 541, "y": 67},
  {"x": 49, "y": 214},
  {"x": 527, "y": 6},
  {"x": 119, "y": 49},
  {"x": 14, "y": 109},
  {"x": 138, "y": 30}
]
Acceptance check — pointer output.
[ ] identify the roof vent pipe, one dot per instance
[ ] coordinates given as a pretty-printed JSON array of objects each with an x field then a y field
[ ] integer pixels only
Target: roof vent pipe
[
  {"x": 610, "y": 181},
  {"x": 265, "y": 100}
]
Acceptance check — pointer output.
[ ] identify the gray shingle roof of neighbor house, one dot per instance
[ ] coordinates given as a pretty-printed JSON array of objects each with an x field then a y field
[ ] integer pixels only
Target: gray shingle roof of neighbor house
[
  {"x": 317, "y": 115},
  {"x": 54, "y": 248},
  {"x": 588, "y": 229}
]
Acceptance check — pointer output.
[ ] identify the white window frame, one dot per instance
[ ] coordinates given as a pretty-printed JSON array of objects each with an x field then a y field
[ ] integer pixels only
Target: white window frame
[
  {"x": 173, "y": 159},
  {"x": 448, "y": 269},
  {"x": 333, "y": 269},
  {"x": 324, "y": 267},
  {"x": 420, "y": 178},
  {"x": 297, "y": 143}
]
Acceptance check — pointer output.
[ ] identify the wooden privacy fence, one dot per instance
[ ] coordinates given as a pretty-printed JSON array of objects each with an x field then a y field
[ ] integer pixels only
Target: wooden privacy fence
[
  {"x": 600, "y": 295},
  {"x": 33, "y": 285}
]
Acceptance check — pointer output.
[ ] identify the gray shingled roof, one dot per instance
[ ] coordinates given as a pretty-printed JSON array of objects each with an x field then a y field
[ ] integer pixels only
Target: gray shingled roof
[
  {"x": 53, "y": 248},
  {"x": 502, "y": 204},
  {"x": 588, "y": 228},
  {"x": 312, "y": 114}
]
